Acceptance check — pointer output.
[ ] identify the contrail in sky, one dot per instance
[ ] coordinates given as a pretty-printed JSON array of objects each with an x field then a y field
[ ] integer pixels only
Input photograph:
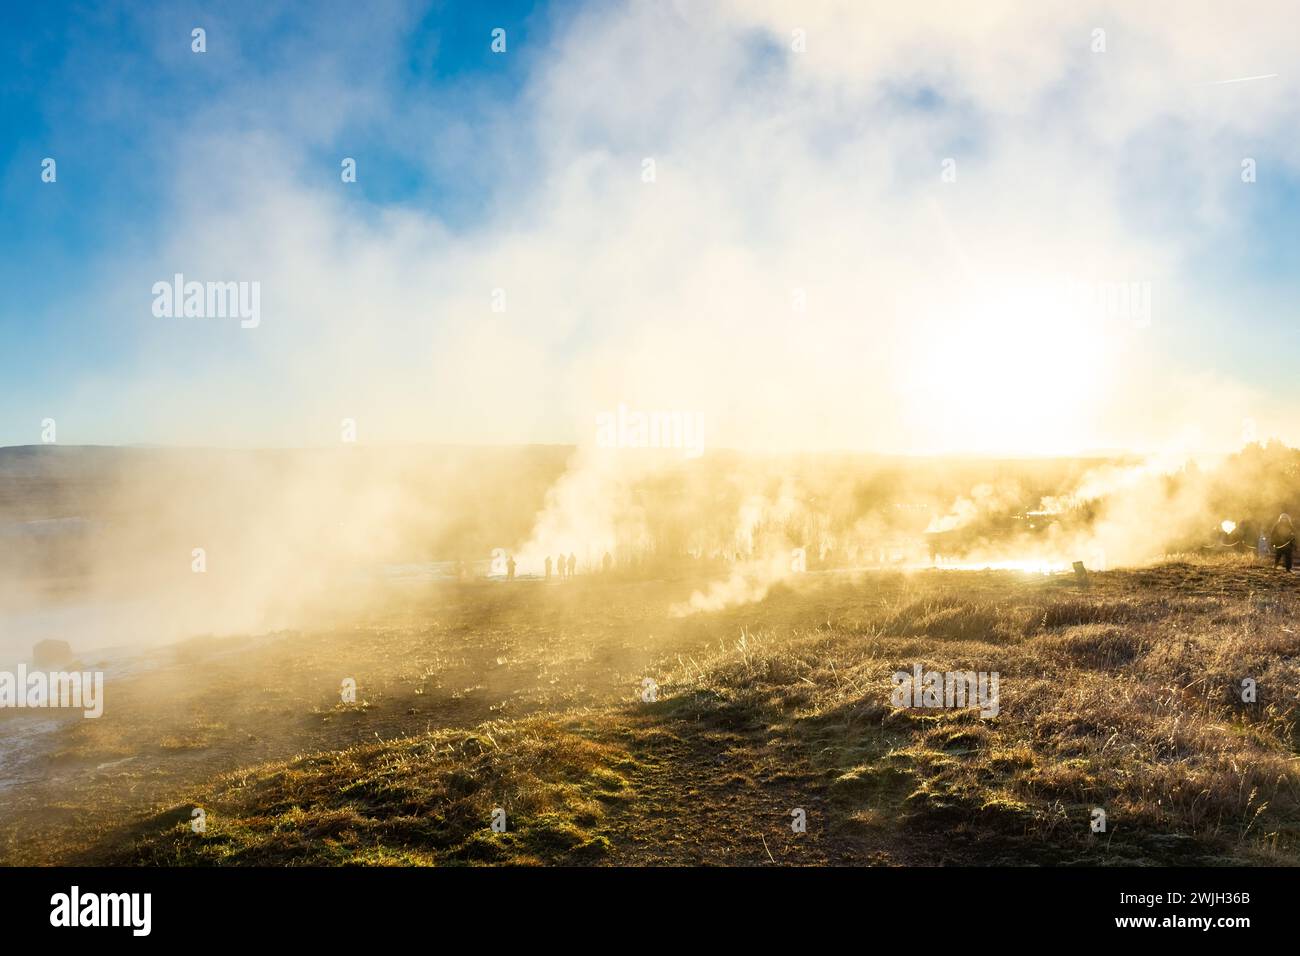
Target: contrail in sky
[{"x": 1243, "y": 79}]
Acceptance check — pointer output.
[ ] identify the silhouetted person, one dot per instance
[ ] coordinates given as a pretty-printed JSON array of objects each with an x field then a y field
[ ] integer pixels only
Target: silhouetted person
[
  {"x": 548, "y": 567},
  {"x": 510, "y": 568},
  {"x": 573, "y": 563},
  {"x": 1246, "y": 534},
  {"x": 1282, "y": 539}
]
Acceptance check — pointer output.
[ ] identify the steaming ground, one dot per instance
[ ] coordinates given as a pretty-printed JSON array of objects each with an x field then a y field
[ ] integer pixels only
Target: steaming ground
[
  {"x": 529, "y": 697},
  {"x": 325, "y": 565}
]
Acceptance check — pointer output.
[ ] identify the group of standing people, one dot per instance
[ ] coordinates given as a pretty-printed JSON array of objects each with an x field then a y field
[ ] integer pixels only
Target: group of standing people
[
  {"x": 1277, "y": 542},
  {"x": 564, "y": 567},
  {"x": 560, "y": 566}
]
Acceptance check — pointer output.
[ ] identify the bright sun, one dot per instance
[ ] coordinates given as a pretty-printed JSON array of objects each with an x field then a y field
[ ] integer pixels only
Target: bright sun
[{"x": 1014, "y": 373}]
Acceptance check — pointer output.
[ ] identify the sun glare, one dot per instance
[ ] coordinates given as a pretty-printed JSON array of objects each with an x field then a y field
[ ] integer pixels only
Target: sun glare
[{"x": 1020, "y": 372}]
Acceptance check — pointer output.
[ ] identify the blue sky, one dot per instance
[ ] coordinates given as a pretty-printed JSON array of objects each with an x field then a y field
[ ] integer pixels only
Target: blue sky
[
  {"x": 522, "y": 170},
  {"x": 112, "y": 90}
]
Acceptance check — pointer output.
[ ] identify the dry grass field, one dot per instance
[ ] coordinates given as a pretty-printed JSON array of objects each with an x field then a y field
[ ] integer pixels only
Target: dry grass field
[{"x": 531, "y": 698}]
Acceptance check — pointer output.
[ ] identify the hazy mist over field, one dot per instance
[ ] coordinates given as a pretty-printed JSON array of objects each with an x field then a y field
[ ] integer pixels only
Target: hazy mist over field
[
  {"x": 169, "y": 543},
  {"x": 853, "y": 232}
]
